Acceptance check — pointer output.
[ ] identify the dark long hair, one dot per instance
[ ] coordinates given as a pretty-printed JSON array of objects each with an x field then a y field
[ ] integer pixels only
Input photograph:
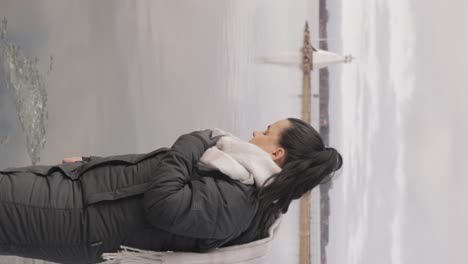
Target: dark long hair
[{"x": 308, "y": 162}]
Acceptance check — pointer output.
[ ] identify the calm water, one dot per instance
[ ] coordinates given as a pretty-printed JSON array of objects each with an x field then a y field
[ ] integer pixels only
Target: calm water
[{"x": 129, "y": 77}]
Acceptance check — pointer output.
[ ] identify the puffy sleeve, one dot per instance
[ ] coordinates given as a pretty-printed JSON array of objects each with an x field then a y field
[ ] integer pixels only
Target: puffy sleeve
[
  {"x": 90, "y": 158},
  {"x": 206, "y": 207}
]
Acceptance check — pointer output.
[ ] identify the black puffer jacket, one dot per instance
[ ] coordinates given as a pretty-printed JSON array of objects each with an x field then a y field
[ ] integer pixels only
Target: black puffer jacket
[{"x": 73, "y": 212}]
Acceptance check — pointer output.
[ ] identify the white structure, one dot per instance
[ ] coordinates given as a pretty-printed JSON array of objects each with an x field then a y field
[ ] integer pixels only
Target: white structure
[{"x": 320, "y": 58}]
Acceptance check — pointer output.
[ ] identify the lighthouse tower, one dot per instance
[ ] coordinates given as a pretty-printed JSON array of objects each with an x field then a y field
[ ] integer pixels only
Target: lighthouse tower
[{"x": 308, "y": 59}]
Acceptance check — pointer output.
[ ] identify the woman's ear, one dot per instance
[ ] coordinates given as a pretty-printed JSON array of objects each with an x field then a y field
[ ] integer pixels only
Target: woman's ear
[
  {"x": 279, "y": 155},
  {"x": 278, "y": 158}
]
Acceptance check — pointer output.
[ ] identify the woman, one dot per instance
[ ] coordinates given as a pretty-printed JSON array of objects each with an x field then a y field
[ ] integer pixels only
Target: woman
[{"x": 76, "y": 210}]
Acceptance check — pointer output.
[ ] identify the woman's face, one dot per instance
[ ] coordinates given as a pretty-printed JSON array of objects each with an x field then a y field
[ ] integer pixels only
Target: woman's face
[{"x": 268, "y": 139}]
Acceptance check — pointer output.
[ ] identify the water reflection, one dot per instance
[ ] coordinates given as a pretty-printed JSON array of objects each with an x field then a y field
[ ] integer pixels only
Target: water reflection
[
  {"x": 131, "y": 76},
  {"x": 27, "y": 86}
]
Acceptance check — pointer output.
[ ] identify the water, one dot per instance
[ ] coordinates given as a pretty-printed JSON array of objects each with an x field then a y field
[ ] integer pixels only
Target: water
[
  {"x": 27, "y": 87},
  {"x": 131, "y": 76}
]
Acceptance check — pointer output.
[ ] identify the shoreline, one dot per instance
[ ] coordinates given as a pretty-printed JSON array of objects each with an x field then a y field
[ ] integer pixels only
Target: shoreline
[{"x": 324, "y": 130}]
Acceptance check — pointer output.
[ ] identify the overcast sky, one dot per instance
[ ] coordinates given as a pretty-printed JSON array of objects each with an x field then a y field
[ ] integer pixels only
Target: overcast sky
[{"x": 399, "y": 115}]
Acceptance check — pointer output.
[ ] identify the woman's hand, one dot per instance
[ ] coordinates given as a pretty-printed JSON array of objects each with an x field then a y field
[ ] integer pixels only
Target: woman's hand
[{"x": 72, "y": 159}]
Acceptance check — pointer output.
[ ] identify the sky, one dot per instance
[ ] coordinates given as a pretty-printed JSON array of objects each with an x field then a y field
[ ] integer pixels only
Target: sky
[{"x": 398, "y": 116}]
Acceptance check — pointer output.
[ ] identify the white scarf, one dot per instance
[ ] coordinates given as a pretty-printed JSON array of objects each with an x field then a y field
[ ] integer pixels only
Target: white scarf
[{"x": 238, "y": 159}]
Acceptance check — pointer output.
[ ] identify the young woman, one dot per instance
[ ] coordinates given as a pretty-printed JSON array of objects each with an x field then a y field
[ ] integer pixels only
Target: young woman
[{"x": 74, "y": 211}]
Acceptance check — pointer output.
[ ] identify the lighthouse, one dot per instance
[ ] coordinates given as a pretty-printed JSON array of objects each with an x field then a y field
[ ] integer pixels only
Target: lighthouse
[
  {"x": 319, "y": 58},
  {"x": 308, "y": 59}
]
